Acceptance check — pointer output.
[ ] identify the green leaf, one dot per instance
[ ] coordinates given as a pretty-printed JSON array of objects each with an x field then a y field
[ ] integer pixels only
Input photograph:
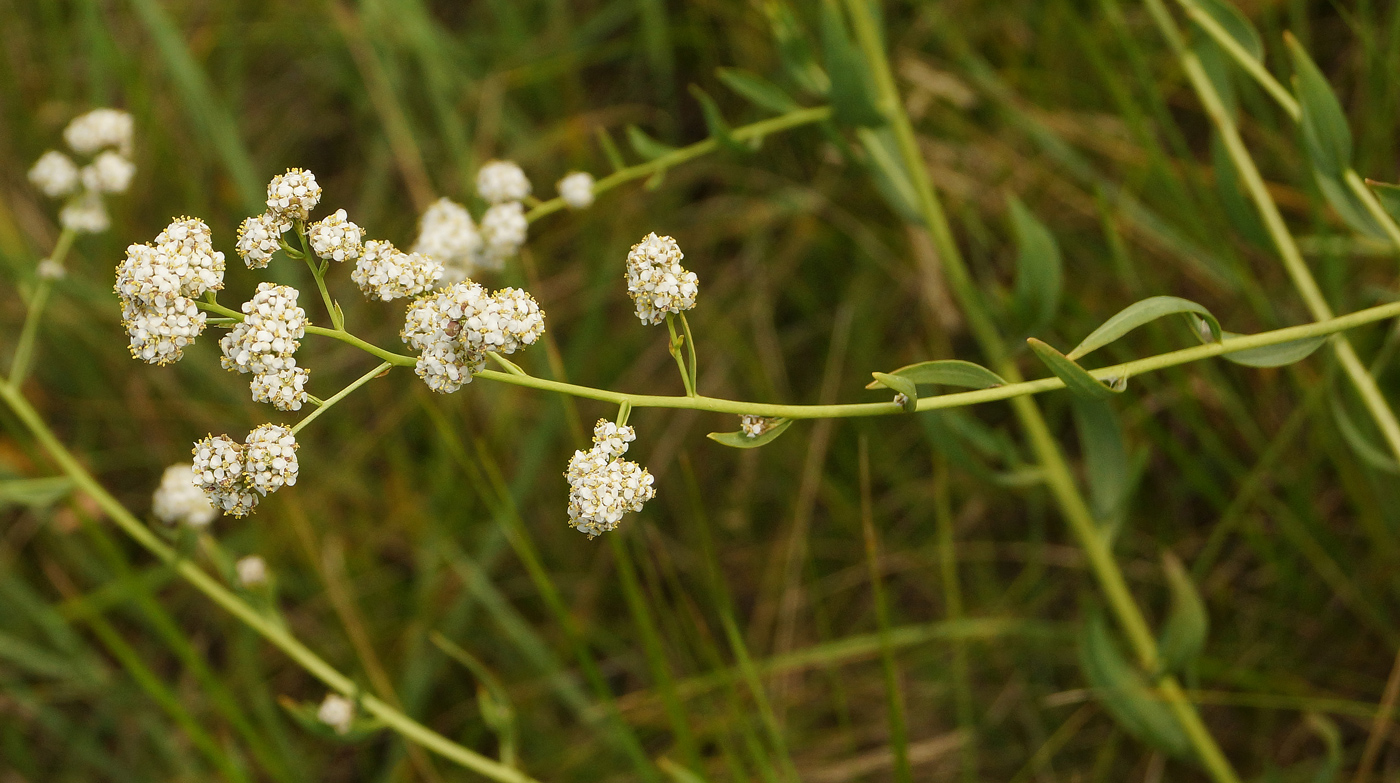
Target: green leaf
[
  {"x": 850, "y": 94},
  {"x": 714, "y": 121},
  {"x": 646, "y": 146},
  {"x": 1331, "y": 738},
  {"x": 901, "y": 385},
  {"x": 794, "y": 49},
  {"x": 1389, "y": 196},
  {"x": 887, "y": 171},
  {"x": 1325, "y": 131},
  {"x": 1239, "y": 210},
  {"x": 34, "y": 493},
  {"x": 1235, "y": 23},
  {"x": 1076, "y": 378},
  {"x": 1370, "y": 454},
  {"x": 758, "y": 90},
  {"x": 1184, "y": 632},
  {"x": 1276, "y": 355},
  {"x": 947, "y": 372},
  {"x": 739, "y": 440},
  {"x": 1039, "y": 269},
  {"x": 1106, "y": 464},
  {"x": 614, "y": 157},
  {"x": 361, "y": 728},
  {"x": 1139, "y": 313},
  {"x": 1124, "y": 694},
  {"x": 1347, "y": 205}
]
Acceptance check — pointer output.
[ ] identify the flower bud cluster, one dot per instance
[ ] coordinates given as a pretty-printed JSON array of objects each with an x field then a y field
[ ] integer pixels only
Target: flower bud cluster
[
  {"x": 105, "y": 135},
  {"x": 235, "y": 475},
  {"x": 251, "y": 571},
  {"x": 657, "y": 282},
  {"x": 158, "y": 283},
  {"x": 335, "y": 238},
  {"x": 387, "y": 273},
  {"x": 503, "y": 184},
  {"x": 602, "y": 485},
  {"x": 177, "y": 501},
  {"x": 447, "y": 234},
  {"x": 499, "y": 181},
  {"x": 576, "y": 189},
  {"x": 292, "y": 196},
  {"x": 265, "y": 342},
  {"x": 753, "y": 426},
  {"x": 337, "y": 712},
  {"x": 259, "y": 237},
  {"x": 453, "y": 328}
]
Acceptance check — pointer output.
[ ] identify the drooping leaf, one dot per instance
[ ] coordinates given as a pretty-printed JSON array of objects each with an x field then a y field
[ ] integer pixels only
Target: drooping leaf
[
  {"x": 1184, "y": 632},
  {"x": 34, "y": 493},
  {"x": 1039, "y": 269},
  {"x": 614, "y": 157},
  {"x": 740, "y": 440},
  {"x": 1370, "y": 454},
  {"x": 947, "y": 372},
  {"x": 757, "y": 90},
  {"x": 1139, "y": 313},
  {"x": 1124, "y": 694},
  {"x": 1235, "y": 23},
  {"x": 887, "y": 171},
  {"x": 851, "y": 95},
  {"x": 901, "y": 385},
  {"x": 1276, "y": 355},
  {"x": 1324, "y": 124},
  {"x": 646, "y": 146},
  {"x": 715, "y": 123},
  {"x": 1076, "y": 378},
  {"x": 794, "y": 48},
  {"x": 1347, "y": 205},
  {"x": 1106, "y": 463}
]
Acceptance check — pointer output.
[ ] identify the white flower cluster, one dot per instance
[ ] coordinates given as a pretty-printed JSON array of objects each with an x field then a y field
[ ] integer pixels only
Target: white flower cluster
[
  {"x": 177, "y": 501},
  {"x": 576, "y": 189},
  {"x": 251, "y": 570},
  {"x": 335, "y": 238},
  {"x": 337, "y": 712},
  {"x": 753, "y": 426},
  {"x": 503, "y": 184},
  {"x": 447, "y": 234},
  {"x": 499, "y": 181},
  {"x": 602, "y": 485},
  {"x": 104, "y": 134},
  {"x": 453, "y": 328},
  {"x": 158, "y": 284},
  {"x": 259, "y": 237},
  {"x": 657, "y": 282},
  {"x": 234, "y": 475},
  {"x": 292, "y": 196},
  {"x": 387, "y": 273},
  {"x": 265, "y": 342}
]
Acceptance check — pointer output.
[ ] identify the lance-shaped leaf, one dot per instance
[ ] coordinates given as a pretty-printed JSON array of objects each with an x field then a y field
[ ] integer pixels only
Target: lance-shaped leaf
[
  {"x": 1235, "y": 23},
  {"x": 614, "y": 157},
  {"x": 714, "y": 121},
  {"x": 646, "y": 146},
  {"x": 887, "y": 171},
  {"x": 1139, "y": 313},
  {"x": 1389, "y": 196},
  {"x": 946, "y": 372},
  {"x": 1039, "y": 269},
  {"x": 1184, "y": 632},
  {"x": 901, "y": 385},
  {"x": 794, "y": 49},
  {"x": 1370, "y": 454},
  {"x": 1106, "y": 464},
  {"x": 1276, "y": 355},
  {"x": 1076, "y": 378},
  {"x": 1324, "y": 125},
  {"x": 1124, "y": 694},
  {"x": 851, "y": 97},
  {"x": 758, "y": 90},
  {"x": 741, "y": 440},
  {"x": 34, "y": 493}
]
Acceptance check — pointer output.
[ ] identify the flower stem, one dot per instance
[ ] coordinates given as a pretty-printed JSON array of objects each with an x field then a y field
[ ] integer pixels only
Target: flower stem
[
  {"x": 342, "y": 394},
  {"x": 24, "y": 349},
  {"x": 690, "y": 353},
  {"x": 675, "y": 348}
]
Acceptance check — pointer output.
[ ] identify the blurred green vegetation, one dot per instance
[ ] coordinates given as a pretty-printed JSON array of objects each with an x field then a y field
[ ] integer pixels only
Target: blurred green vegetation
[{"x": 733, "y": 623}]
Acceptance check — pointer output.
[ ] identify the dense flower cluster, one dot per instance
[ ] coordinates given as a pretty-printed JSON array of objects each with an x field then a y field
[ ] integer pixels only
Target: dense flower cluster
[
  {"x": 337, "y": 712},
  {"x": 447, "y": 234},
  {"x": 265, "y": 342},
  {"x": 657, "y": 282},
  {"x": 503, "y": 230},
  {"x": 753, "y": 426},
  {"x": 454, "y": 327},
  {"x": 177, "y": 501},
  {"x": 251, "y": 571},
  {"x": 105, "y": 135},
  {"x": 158, "y": 284},
  {"x": 576, "y": 189},
  {"x": 234, "y": 475},
  {"x": 335, "y": 238},
  {"x": 259, "y": 237},
  {"x": 499, "y": 181},
  {"x": 292, "y": 196},
  {"x": 385, "y": 272},
  {"x": 602, "y": 485}
]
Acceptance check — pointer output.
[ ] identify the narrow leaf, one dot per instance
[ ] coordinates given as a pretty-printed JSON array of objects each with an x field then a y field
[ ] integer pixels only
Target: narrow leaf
[
  {"x": 794, "y": 48},
  {"x": 1076, "y": 378},
  {"x": 1350, "y": 208},
  {"x": 646, "y": 146},
  {"x": 901, "y": 385},
  {"x": 34, "y": 493},
  {"x": 1184, "y": 632},
  {"x": 1039, "y": 269},
  {"x": 740, "y": 440},
  {"x": 1331, "y": 737},
  {"x": 1275, "y": 355},
  {"x": 757, "y": 90},
  {"x": 1106, "y": 463},
  {"x": 1139, "y": 313},
  {"x": 614, "y": 157},
  {"x": 947, "y": 372},
  {"x": 887, "y": 171},
  {"x": 1122, "y": 691},
  {"x": 1389, "y": 196},
  {"x": 850, "y": 94},
  {"x": 714, "y": 121},
  {"x": 1235, "y": 23},
  {"x": 1325, "y": 131},
  {"x": 1370, "y": 454}
]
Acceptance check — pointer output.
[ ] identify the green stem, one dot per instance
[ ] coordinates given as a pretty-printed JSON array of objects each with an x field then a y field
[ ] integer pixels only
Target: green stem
[
  {"x": 24, "y": 349},
  {"x": 675, "y": 349},
  {"x": 245, "y": 613},
  {"x": 342, "y": 394},
  {"x": 690, "y": 354}
]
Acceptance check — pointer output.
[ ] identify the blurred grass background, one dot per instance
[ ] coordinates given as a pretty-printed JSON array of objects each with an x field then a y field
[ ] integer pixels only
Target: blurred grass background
[{"x": 418, "y": 513}]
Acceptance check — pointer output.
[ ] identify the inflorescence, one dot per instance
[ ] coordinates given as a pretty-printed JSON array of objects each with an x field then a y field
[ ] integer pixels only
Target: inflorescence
[
  {"x": 105, "y": 137},
  {"x": 602, "y": 485},
  {"x": 657, "y": 282}
]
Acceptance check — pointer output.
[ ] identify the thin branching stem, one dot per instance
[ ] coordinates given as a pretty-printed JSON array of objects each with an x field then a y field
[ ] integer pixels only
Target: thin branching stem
[{"x": 24, "y": 348}]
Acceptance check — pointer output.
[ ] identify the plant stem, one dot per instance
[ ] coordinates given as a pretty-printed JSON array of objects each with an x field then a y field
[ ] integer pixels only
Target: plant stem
[
  {"x": 675, "y": 349},
  {"x": 24, "y": 349},
  {"x": 318, "y": 267},
  {"x": 690, "y": 354},
  {"x": 342, "y": 394}
]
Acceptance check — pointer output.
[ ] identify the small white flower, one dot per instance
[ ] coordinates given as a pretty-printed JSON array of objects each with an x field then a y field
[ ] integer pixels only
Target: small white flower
[
  {"x": 85, "y": 213},
  {"x": 54, "y": 174},
  {"x": 259, "y": 238},
  {"x": 603, "y": 486},
  {"x": 108, "y": 173},
  {"x": 576, "y": 190},
  {"x": 612, "y": 438},
  {"x": 219, "y": 471},
  {"x": 336, "y": 238},
  {"x": 503, "y": 228},
  {"x": 270, "y": 458},
  {"x": 285, "y": 389},
  {"x": 502, "y": 180},
  {"x": 188, "y": 243},
  {"x": 753, "y": 426},
  {"x": 385, "y": 272},
  {"x": 447, "y": 234},
  {"x": 453, "y": 328},
  {"x": 100, "y": 129},
  {"x": 293, "y": 195},
  {"x": 265, "y": 342},
  {"x": 159, "y": 332},
  {"x": 251, "y": 570},
  {"x": 178, "y": 501},
  {"x": 337, "y": 712},
  {"x": 657, "y": 282},
  {"x": 49, "y": 269}
]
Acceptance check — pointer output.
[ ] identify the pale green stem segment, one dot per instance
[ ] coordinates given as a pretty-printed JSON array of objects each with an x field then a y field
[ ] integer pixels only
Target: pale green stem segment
[
  {"x": 675, "y": 348},
  {"x": 342, "y": 394},
  {"x": 756, "y": 130},
  {"x": 1047, "y": 450},
  {"x": 267, "y": 627},
  {"x": 24, "y": 349},
  {"x": 318, "y": 270},
  {"x": 690, "y": 354},
  {"x": 1292, "y": 257}
]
